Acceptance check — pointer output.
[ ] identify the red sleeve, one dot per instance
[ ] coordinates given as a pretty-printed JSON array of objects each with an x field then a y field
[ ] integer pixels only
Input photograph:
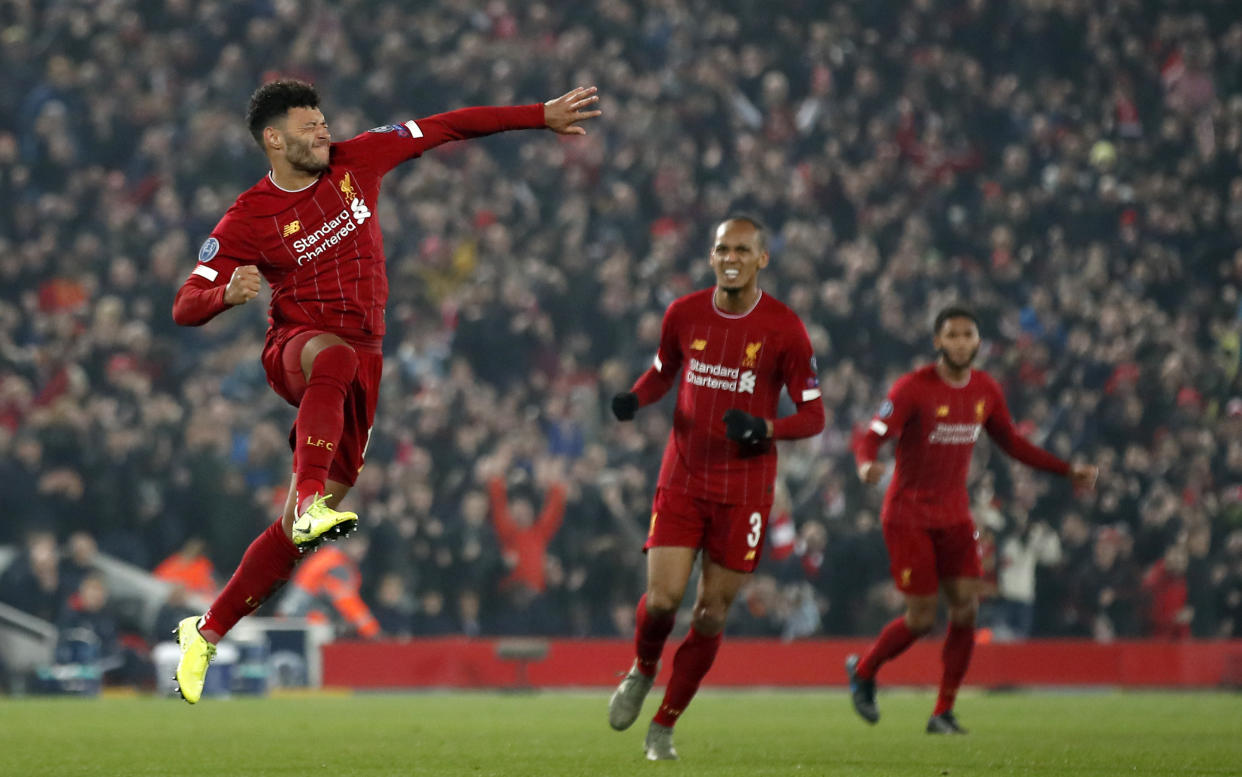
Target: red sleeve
[
  {"x": 500, "y": 508},
  {"x": 198, "y": 301},
  {"x": 802, "y": 382},
  {"x": 390, "y": 145},
  {"x": 807, "y": 422},
  {"x": 1001, "y": 429},
  {"x": 201, "y": 296},
  {"x": 552, "y": 513},
  {"x": 888, "y": 422},
  {"x": 656, "y": 381}
]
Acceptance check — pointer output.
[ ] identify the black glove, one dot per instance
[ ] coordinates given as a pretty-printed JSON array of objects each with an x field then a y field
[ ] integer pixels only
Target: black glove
[
  {"x": 744, "y": 427},
  {"x": 625, "y": 405}
]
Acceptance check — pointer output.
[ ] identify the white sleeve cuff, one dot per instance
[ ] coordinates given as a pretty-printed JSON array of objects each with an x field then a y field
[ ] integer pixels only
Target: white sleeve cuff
[
  {"x": 207, "y": 272},
  {"x": 879, "y": 427}
]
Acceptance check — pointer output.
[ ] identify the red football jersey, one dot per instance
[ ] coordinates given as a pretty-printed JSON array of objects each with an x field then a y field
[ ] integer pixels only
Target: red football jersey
[
  {"x": 730, "y": 361},
  {"x": 937, "y": 425},
  {"x": 320, "y": 248}
]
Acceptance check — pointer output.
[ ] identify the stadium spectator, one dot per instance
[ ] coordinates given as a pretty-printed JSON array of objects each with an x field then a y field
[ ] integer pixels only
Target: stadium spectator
[
  {"x": 523, "y": 535},
  {"x": 1168, "y": 613},
  {"x": 1107, "y": 591},
  {"x": 1025, "y": 547},
  {"x": 32, "y": 582}
]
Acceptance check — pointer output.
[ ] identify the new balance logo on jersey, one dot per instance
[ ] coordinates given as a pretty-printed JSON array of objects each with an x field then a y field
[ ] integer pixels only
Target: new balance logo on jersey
[{"x": 292, "y": 228}]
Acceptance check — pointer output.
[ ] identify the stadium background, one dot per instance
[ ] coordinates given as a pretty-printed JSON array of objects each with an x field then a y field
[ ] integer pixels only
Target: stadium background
[{"x": 1072, "y": 169}]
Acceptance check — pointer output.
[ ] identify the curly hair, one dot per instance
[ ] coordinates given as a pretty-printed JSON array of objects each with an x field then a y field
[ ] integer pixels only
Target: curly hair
[
  {"x": 273, "y": 100},
  {"x": 953, "y": 311}
]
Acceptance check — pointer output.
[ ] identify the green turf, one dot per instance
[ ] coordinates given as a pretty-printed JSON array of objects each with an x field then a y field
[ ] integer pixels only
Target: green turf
[{"x": 745, "y": 734}]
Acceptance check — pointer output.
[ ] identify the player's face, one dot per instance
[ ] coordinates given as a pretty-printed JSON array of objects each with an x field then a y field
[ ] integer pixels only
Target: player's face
[
  {"x": 737, "y": 256},
  {"x": 958, "y": 342},
  {"x": 306, "y": 140}
]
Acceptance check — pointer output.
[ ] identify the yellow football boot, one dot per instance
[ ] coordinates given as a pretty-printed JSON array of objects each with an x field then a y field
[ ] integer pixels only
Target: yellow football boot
[
  {"x": 319, "y": 523},
  {"x": 196, "y": 654}
]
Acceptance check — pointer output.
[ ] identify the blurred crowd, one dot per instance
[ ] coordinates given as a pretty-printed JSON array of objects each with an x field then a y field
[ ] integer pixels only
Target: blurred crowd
[{"x": 1072, "y": 169}]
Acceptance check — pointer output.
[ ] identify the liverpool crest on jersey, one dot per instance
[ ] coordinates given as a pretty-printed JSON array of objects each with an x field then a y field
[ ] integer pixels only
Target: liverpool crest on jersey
[
  {"x": 347, "y": 188},
  {"x": 752, "y": 354}
]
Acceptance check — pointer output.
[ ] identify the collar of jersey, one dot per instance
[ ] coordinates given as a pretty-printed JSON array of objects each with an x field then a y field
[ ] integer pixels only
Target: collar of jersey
[
  {"x": 735, "y": 315},
  {"x": 272, "y": 178}
]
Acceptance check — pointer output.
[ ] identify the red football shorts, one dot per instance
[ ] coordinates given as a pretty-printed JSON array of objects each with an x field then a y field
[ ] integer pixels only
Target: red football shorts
[
  {"x": 919, "y": 558},
  {"x": 731, "y": 535},
  {"x": 282, "y": 361}
]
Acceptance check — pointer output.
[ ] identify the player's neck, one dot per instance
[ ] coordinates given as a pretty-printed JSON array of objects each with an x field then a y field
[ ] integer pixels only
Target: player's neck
[
  {"x": 290, "y": 178},
  {"x": 736, "y": 302},
  {"x": 954, "y": 376}
]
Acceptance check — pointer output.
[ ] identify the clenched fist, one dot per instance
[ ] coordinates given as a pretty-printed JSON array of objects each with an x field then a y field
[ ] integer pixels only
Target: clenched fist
[
  {"x": 243, "y": 286},
  {"x": 871, "y": 472}
]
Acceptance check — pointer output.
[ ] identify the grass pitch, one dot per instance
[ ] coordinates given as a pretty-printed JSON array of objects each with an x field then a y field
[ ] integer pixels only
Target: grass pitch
[{"x": 725, "y": 733}]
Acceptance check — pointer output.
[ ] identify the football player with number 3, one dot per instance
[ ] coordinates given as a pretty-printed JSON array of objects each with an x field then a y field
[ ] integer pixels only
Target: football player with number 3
[
  {"x": 309, "y": 228},
  {"x": 738, "y": 348},
  {"x": 936, "y": 413}
]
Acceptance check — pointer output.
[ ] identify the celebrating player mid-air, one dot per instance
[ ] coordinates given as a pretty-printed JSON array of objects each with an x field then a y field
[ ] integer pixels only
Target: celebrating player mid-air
[
  {"x": 309, "y": 228},
  {"x": 738, "y": 347},
  {"x": 937, "y": 412}
]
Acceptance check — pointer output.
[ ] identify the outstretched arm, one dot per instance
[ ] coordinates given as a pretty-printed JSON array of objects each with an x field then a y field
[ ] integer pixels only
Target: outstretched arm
[
  {"x": 1001, "y": 429},
  {"x": 392, "y": 144},
  {"x": 563, "y": 115}
]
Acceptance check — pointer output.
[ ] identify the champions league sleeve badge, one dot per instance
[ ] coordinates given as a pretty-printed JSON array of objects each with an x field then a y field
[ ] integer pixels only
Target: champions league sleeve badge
[
  {"x": 400, "y": 129},
  {"x": 210, "y": 248}
]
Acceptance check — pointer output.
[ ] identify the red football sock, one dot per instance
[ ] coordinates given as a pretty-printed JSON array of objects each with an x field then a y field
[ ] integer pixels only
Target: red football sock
[
  {"x": 690, "y": 664},
  {"x": 266, "y": 565},
  {"x": 959, "y": 643},
  {"x": 891, "y": 643},
  {"x": 650, "y": 634},
  {"x": 321, "y": 417}
]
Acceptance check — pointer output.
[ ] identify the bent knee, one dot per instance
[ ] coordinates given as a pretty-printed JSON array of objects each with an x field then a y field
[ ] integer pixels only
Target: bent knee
[
  {"x": 660, "y": 602},
  {"x": 338, "y": 361},
  {"x": 709, "y": 618},
  {"x": 920, "y": 621},
  {"x": 964, "y": 614}
]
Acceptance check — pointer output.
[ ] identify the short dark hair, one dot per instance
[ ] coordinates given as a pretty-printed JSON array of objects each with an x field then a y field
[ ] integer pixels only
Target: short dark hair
[
  {"x": 953, "y": 311},
  {"x": 761, "y": 229},
  {"x": 273, "y": 100}
]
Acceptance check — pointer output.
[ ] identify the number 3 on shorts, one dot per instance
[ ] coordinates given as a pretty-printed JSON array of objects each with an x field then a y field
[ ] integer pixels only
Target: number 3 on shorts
[{"x": 756, "y": 530}]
